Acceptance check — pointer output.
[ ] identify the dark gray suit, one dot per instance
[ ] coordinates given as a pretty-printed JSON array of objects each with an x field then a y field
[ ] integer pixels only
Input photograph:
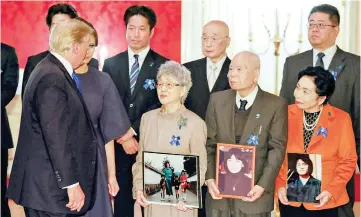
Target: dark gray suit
[
  {"x": 57, "y": 146},
  {"x": 270, "y": 127},
  {"x": 9, "y": 84},
  {"x": 345, "y": 97}
]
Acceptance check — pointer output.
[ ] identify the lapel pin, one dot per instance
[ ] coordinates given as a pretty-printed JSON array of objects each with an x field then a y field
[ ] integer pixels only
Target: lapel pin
[
  {"x": 258, "y": 116},
  {"x": 151, "y": 64}
]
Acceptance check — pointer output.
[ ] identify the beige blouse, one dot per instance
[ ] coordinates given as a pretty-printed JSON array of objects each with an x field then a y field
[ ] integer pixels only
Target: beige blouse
[{"x": 156, "y": 131}]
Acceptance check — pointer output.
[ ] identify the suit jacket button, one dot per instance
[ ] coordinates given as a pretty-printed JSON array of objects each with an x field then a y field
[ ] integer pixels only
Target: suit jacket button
[
  {"x": 131, "y": 105},
  {"x": 59, "y": 180},
  {"x": 93, "y": 162},
  {"x": 94, "y": 141}
]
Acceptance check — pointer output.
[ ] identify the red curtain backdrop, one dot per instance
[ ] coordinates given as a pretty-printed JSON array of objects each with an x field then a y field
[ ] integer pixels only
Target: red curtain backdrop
[{"x": 23, "y": 26}]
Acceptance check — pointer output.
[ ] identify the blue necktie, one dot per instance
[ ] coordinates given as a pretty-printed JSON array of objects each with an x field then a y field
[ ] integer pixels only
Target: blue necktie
[
  {"x": 77, "y": 81},
  {"x": 134, "y": 72}
]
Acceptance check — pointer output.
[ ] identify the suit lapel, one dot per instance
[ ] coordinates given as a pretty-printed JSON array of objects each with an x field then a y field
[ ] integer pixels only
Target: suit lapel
[
  {"x": 222, "y": 80},
  {"x": 306, "y": 59},
  {"x": 124, "y": 71},
  {"x": 53, "y": 59},
  {"x": 229, "y": 110},
  {"x": 202, "y": 69},
  {"x": 253, "y": 125},
  {"x": 148, "y": 64},
  {"x": 337, "y": 63},
  {"x": 73, "y": 84},
  {"x": 325, "y": 121},
  {"x": 296, "y": 129}
]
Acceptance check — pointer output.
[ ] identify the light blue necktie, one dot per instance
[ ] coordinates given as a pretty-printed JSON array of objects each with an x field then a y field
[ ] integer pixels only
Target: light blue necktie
[{"x": 134, "y": 72}]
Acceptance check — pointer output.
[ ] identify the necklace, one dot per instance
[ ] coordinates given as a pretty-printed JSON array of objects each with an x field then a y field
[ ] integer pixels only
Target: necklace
[{"x": 311, "y": 126}]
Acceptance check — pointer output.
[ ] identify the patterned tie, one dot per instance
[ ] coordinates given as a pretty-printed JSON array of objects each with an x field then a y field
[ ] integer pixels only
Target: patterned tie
[
  {"x": 77, "y": 81},
  {"x": 319, "y": 61},
  {"x": 212, "y": 77},
  {"x": 134, "y": 72},
  {"x": 242, "y": 108}
]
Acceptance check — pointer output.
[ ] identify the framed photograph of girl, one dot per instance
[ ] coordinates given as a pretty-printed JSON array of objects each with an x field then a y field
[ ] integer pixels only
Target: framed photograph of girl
[
  {"x": 170, "y": 178},
  {"x": 304, "y": 177},
  {"x": 235, "y": 170}
]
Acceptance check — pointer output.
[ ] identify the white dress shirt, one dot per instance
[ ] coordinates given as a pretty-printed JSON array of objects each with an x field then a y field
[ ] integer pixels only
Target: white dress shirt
[
  {"x": 250, "y": 98},
  {"x": 69, "y": 69},
  {"x": 141, "y": 57},
  {"x": 329, "y": 53},
  {"x": 213, "y": 71}
]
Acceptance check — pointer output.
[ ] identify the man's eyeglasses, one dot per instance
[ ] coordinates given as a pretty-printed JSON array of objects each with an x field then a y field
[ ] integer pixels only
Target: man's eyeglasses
[
  {"x": 168, "y": 85},
  {"x": 318, "y": 25},
  {"x": 212, "y": 39}
]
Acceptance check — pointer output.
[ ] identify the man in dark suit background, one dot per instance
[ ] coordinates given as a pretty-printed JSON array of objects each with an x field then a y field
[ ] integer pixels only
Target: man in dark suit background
[
  {"x": 209, "y": 74},
  {"x": 55, "y": 161},
  {"x": 240, "y": 116},
  {"x": 323, "y": 29},
  {"x": 134, "y": 74},
  {"x": 56, "y": 13},
  {"x": 9, "y": 84}
]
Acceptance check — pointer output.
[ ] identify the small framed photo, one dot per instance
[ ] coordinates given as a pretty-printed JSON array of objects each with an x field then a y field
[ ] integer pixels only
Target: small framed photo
[
  {"x": 170, "y": 178},
  {"x": 304, "y": 177},
  {"x": 235, "y": 169}
]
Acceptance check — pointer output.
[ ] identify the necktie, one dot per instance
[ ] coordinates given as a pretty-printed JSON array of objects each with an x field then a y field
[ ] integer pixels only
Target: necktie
[
  {"x": 77, "y": 81},
  {"x": 242, "y": 107},
  {"x": 134, "y": 72},
  {"x": 212, "y": 77},
  {"x": 319, "y": 61}
]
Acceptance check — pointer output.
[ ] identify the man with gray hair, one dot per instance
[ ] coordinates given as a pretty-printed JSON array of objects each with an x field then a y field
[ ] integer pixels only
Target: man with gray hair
[
  {"x": 239, "y": 116},
  {"x": 55, "y": 160}
]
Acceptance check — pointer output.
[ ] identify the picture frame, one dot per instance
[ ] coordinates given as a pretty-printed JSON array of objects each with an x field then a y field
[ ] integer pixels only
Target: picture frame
[
  {"x": 180, "y": 182},
  {"x": 304, "y": 177},
  {"x": 235, "y": 166}
]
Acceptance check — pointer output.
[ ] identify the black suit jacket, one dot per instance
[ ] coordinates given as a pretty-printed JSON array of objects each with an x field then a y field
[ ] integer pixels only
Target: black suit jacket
[
  {"x": 57, "y": 146},
  {"x": 34, "y": 60},
  {"x": 142, "y": 99},
  {"x": 347, "y": 92},
  {"x": 9, "y": 84},
  {"x": 198, "y": 97}
]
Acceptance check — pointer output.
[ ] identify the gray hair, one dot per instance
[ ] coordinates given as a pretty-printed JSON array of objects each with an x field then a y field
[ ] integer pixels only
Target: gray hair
[{"x": 180, "y": 73}]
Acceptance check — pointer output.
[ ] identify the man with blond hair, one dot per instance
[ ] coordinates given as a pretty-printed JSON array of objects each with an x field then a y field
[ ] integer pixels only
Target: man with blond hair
[{"x": 55, "y": 160}]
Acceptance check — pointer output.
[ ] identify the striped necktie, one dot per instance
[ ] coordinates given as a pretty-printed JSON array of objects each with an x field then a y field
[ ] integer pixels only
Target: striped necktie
[
  {"x": 77, "y": 81},
  {"x": 134, "y": 72}
]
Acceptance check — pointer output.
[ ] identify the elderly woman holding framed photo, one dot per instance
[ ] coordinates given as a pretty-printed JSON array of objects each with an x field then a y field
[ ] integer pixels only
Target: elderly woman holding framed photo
[
  {"x": 170, "y": 129},
  {"x": 315, "y": 127}
]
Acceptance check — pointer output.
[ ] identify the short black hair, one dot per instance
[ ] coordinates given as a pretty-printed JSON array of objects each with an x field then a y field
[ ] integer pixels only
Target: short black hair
[
  {"x": 332, "y": 11},
  {"x": 239, "y": 154},
  {"x": 61, "y": 8},
  {"x": 305, "y": 158},
  {"x": 324, "y": 81},
  {"x": 142, "y": 10}
]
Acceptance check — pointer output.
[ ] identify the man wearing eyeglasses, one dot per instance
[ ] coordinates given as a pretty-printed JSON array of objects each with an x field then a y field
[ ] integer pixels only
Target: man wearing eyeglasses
[
  {"x": 209, "y": 74},
  {"x": 323, "y": 29}
]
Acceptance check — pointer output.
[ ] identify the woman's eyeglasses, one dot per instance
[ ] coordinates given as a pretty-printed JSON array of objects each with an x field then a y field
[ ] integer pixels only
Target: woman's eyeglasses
[{"x": 168, "y": 85}]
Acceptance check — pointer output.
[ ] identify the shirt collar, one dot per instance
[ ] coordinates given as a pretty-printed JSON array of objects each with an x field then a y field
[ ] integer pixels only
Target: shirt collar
[
  {"x": 65, "y": 62},
  {"x": 219, "y": 64},
  {"x": 250, "y": 98},
  {"x": 329, "y": 52},
  {"x": 142, "y": 54}
]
